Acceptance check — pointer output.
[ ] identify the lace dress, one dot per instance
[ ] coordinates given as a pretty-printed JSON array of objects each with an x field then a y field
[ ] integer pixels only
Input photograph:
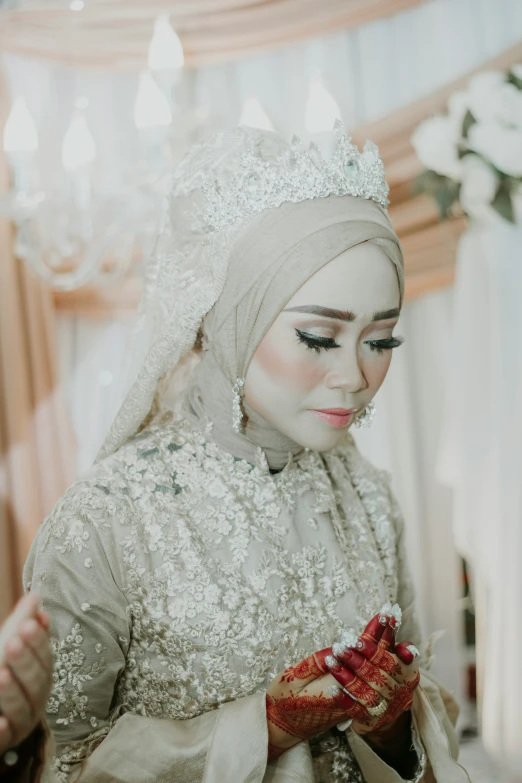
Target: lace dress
[{"x": 180, "y": 579}]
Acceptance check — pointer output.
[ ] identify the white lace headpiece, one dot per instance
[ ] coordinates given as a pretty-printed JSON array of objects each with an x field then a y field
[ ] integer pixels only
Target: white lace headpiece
[{"x": 218, "y": 188}]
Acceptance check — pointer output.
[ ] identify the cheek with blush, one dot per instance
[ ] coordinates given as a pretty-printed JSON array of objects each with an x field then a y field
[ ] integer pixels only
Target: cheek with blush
[{"x": 287, "y": 364}]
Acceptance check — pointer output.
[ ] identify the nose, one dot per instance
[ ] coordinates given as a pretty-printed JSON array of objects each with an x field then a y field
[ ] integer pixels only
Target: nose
[{"x": 347, "y": 373}]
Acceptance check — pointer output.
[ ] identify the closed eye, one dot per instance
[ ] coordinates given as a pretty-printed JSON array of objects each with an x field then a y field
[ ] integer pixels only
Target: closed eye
[
  {"x": 385, "y": 345},
  {"x": 315, "y": 343}
]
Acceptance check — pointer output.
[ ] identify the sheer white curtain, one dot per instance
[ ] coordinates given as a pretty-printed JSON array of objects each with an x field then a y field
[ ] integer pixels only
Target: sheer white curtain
[
  {"x": 481, "y": 458},
  {"x": 369, "y": 71}
]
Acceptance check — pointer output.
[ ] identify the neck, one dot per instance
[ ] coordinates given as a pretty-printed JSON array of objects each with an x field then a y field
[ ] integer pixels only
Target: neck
[{"x": 209, "y": 399}]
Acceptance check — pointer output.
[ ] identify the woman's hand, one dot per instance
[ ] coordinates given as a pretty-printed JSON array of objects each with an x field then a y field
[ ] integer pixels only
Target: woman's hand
[
  {"x": 305, "y": 701},
  {"x": 25, "y": 671},
  {"x": 380, "y": 674}
]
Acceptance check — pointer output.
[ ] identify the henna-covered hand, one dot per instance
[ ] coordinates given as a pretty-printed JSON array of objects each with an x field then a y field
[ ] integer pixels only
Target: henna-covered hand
[
  {"x": 374, "y": 667},
  {"x": 304, "y": 701}
]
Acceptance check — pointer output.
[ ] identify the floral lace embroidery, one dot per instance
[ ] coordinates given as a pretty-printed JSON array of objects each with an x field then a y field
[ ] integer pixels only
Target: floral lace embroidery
[
  {"x": 222, "y": 591},
  {"x": 68, "y": 697}
]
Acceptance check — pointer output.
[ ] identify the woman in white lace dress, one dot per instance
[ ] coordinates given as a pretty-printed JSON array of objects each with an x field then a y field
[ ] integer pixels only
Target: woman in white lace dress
[{"x": 230, "y": 532}]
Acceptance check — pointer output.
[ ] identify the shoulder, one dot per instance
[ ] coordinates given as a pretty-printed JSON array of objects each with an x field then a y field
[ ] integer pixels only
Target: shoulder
[{"x": 153, "y": 468}]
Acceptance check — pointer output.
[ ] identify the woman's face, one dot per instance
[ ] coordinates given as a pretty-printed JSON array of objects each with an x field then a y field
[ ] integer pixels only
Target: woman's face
[{"x": 329, "y": 350}]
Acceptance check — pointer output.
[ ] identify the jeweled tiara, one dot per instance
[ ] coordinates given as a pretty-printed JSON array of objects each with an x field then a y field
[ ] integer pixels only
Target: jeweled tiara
[{"x": 298, "y": 174}]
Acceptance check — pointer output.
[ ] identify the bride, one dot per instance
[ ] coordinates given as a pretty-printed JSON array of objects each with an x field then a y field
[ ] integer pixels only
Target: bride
[{"x": 227, "y": 585}]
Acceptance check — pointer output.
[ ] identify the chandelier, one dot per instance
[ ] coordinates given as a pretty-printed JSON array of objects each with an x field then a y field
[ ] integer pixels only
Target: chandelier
[{"x": 71, "y": 233}]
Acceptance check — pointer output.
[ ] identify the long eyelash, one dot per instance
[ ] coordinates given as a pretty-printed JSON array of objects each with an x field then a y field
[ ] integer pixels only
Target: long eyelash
[
  {"x": 385, "y": 345},
  {"x": 316, "y": 344}
]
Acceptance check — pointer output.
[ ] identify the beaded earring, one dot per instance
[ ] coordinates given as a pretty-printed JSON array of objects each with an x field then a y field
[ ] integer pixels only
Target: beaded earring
[{"x": 366, "y": 418}]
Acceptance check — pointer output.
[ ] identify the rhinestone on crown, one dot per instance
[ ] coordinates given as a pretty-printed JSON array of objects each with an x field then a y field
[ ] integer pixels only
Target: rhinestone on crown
[{"x": 297, "y": 175}]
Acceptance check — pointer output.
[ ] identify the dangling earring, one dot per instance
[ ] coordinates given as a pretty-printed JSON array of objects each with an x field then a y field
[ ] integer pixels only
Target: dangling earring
[
  {"x": 366, "y": 418},
  {"x": 237, "y": 411}
]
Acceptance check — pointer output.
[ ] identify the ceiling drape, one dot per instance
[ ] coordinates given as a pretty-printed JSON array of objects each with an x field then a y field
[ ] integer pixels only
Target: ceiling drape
[{"x": 117, "y": 33}]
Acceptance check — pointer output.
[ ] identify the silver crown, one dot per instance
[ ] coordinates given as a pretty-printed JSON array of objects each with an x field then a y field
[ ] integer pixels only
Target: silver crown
[{"x": 298, "y": 174}]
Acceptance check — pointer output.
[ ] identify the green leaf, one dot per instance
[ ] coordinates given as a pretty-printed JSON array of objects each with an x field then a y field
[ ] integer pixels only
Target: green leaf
[
  {"x": 443, "y": 190},
  {"x": 428, "y": 181},
  {"x": 503, "y": 205},
  {"x": 514, "y": 79},
  {"x": 467, "y": 122},
  {"x": 462, "y": 151},
  {"x": 446, "y": 196}
]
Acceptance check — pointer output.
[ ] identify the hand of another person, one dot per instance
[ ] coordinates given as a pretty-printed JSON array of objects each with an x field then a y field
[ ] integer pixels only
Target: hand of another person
[
  {"x": 380, "y": 674},
  {"x": 25, "y": 671}
]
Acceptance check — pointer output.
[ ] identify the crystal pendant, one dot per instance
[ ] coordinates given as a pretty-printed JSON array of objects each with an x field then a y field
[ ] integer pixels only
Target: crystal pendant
[{"x": 351, "y": 170}]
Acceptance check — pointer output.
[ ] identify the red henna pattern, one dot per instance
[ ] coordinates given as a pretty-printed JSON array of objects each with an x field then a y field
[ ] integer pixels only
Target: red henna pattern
[
  {"x": 372, "y": 674},
  {"x": 311, "y": 668},
  {"x": 302, "y": 671},
  {"x": 304, "y": 716},
  {"x": 386, "y": 662}
]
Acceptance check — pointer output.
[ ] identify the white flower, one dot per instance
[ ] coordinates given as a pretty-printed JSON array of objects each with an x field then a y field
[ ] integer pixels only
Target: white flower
[
  {"x": 502, "y": 146},
  {"x": 435, "y": 142},
  {"x": 482, "y": 92},
  {"x": 508, "y": 105},
  {"x": 479, "y": 185},
  {"x": 458, "y": 105}
]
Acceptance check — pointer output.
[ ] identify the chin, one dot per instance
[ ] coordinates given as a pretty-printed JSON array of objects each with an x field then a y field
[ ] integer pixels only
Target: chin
[{"x": 322, "y": 438}]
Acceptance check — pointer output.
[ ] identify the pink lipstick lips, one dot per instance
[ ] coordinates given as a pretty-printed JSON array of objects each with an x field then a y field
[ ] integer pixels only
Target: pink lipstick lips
[{"x": 337, "y": 417}]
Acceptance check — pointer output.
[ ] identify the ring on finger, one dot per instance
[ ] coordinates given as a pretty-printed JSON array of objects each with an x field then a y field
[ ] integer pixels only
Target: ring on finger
[{"x": 379, "y": 709}]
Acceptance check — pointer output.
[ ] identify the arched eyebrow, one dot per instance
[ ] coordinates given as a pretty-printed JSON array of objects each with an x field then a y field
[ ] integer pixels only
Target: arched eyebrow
[{"x": 341, "y": 315}]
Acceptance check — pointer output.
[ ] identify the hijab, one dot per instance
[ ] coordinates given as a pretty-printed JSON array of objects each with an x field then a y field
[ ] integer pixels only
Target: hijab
[{"x": 277, "y": 253}]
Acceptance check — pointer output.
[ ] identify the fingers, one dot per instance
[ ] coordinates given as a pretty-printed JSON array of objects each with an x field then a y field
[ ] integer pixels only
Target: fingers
[
  {"x": 381, "y": 658},
  {"x": 375, "y": 628},
  {"x": 305, "y": 671},
  {"x": 36, "y": 638},
  {"x": 26, "y": 608},
  {"x": 14, "y": 705},
  {"x": 6, "y": 735},
  {"x": 379, "y": 680},
  {"x": 31, "y": 674},
  {"x": 44, "y": 619},
  {"x": 388, "y": 635},
  {"x": 406, "y": 652},
  {"x": 359, "y": 690}
]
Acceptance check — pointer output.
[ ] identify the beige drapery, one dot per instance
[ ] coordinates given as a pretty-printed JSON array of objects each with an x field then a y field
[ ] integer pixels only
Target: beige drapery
[
  {"x": 36, "y": 443},
  {"x": 116, "y": 34}
]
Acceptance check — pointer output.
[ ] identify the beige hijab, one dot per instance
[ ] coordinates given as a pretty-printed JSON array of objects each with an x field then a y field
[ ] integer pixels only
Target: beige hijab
[{"x": 280, "y": 250}]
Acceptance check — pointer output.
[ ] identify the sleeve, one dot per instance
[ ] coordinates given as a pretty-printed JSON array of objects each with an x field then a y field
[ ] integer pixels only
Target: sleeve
[
  {"x": 434, "y": 710},
  {"x": 96, "y": 742}
]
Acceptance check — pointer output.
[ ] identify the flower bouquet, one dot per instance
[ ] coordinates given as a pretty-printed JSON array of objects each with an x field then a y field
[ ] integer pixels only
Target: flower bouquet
[{"x": 473, "y": 153}]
